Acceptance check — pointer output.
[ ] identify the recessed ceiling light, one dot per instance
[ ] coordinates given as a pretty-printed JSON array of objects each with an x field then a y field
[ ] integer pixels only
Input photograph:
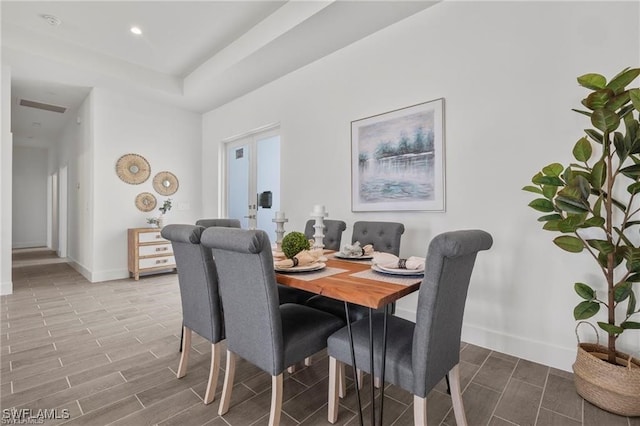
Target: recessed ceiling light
[{"x": 136, "y": 30}]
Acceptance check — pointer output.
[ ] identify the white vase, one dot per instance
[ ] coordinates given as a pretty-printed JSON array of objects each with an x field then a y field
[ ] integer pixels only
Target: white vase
[{"x": 160, "y": 223}]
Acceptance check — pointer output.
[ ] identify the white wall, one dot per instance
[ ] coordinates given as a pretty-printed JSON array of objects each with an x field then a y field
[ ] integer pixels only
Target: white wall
[
  {"x": 507, "y": 71},
  {"x": 170, "y": 139},
  {"x": 6, "y": 154},
  {"x": 29, "y": 227}
]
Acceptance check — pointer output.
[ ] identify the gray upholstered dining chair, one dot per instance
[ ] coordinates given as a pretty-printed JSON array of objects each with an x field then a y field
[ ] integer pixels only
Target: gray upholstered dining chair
[
  {"x": 201, "y": 309},
  {"x": 266, "y": 334},
  {"x": 226, "y": 223},
  {"x": 332, "y": 232},
  {"x": 419, "y": 354},
  {"x": 385, "y": 237}
]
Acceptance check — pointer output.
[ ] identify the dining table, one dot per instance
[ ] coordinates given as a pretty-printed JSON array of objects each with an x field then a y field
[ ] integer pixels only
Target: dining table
[{"x": 353, "y": 280}]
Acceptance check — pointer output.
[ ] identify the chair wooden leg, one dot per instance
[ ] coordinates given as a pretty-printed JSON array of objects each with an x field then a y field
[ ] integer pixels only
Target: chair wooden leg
[
  {"x": 276, "y": 400},
  {"x": 359, "y": 378},
  {"x": 291, "y": 369},
  {"x": 184, "y": 356},
  {"x": 334, "y": 385},
  {"x": 342, "y": 384},
  {"x": 229, "y": 374},
  {"x": 420, "y": 411},
  {"x": 307, "y": 361},
  {"x": 456, "y": 396},
  {"x": 377, "y": 382},
  {"x": 213, "y": 373}
]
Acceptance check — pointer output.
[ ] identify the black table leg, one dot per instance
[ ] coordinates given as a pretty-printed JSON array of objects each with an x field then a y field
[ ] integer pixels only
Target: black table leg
[
  {"x": 384, "y": 361},
  {"x": 353, "y": 362},
  {"x": 373, "y": 405}
]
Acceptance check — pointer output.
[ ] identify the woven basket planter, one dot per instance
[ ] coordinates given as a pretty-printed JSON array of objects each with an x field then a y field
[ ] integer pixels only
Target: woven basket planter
[{"x": 614, "y": 388}]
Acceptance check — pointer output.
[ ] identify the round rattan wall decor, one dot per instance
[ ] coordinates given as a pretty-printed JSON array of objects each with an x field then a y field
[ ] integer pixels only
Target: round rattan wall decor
[
  {"x": 146, "y": 201},
  {"x": 165, "y": 183},
  {"x": 133, "y": 168}
]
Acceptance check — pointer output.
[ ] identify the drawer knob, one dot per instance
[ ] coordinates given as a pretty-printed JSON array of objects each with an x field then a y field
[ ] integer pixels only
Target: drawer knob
[
  {"x": 162, "y": 248},
  {"x": 161, "y": 261}
]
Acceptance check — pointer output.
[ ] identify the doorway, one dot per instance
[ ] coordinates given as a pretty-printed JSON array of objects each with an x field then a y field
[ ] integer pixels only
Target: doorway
[{"x": 252, "y": 179}]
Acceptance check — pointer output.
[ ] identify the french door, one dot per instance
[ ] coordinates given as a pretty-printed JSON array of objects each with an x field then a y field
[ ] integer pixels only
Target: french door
[{"x": 252, "y": 180}]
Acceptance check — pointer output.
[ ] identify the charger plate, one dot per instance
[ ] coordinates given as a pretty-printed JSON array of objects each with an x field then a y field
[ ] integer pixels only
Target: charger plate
[
  {"x": 344, "y": 256},
  {"x": 393, "y": 271},
  {"x": 306, "y": 268}
]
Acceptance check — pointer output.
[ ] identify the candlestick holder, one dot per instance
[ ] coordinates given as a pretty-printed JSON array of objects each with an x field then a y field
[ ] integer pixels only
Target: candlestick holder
[
  {"x": 318, "y": 214},
  {"x": 279, "y": 221}
]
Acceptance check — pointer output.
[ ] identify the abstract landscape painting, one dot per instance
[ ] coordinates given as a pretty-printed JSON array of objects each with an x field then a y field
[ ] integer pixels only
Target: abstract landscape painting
[{"x": 398, "y": 159}]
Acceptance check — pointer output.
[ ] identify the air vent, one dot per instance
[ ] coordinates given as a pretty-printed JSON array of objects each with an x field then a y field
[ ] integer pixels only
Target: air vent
[{"x": 40, "y": 105}]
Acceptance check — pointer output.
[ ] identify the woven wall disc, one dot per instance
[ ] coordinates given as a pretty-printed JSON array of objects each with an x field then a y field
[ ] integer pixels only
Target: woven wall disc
[
  {"x": 165, "y": 183},
  {"x": 133, "y": 168},
  {"x": 146, "y": 201}
]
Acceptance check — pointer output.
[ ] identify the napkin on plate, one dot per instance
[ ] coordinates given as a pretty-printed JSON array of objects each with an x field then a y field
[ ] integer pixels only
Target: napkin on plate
[
  {"x": 304, "y": 258},
  {"x": 390, "y": 261},
  {"x": 354, "y": 250}
]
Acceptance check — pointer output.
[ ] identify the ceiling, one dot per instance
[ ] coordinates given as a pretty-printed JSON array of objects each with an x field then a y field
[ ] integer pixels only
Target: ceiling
[{"x": 196, "y": 55}]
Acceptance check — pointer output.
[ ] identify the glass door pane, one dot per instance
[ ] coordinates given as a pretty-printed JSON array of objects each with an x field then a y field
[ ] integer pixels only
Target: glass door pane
[
  {"x": 238, "y": 171},
  {"x": 268, "y": 179}
]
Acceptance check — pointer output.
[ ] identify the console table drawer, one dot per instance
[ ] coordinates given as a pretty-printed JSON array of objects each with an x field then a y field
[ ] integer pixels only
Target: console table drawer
[
  {"x": 155, "y": 262},
  {"x": 155, "y": 249},
  {"x": 151, "y": 237}
]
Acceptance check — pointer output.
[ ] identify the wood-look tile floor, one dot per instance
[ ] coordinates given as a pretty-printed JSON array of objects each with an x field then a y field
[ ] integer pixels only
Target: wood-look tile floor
[{"x": 106, "y": 353}]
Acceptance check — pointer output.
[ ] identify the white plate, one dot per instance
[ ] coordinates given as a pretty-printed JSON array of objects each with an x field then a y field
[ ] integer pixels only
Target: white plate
[
  {"x": 344, "y": 256},
  {"x": 313, "y": 267},
  {"x": 390, "y": 271}
]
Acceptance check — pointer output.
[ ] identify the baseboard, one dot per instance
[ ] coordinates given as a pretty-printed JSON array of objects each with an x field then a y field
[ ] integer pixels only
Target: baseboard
[
  {"x": 80, "y": 268},
  {"x": 6, "y": 288},
  {"x": 536, "y": 351},
  {"x": 29, "y": 244}
]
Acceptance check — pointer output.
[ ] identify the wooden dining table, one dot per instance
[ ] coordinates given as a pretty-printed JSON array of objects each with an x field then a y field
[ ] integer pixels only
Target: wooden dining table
[{"x": 354, "y": 281}]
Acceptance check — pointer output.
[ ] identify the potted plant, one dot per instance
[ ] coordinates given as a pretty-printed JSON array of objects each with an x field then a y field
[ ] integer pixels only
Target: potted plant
[
  {"x": 593, "y": 203},
  {"x": 159, "y": 221}
]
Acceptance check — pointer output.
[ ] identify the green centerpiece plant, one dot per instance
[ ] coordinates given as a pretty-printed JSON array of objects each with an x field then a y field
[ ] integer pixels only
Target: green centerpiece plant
[
  {"x": 293, "y": 243},
  {"x": 594, "y": 204}
]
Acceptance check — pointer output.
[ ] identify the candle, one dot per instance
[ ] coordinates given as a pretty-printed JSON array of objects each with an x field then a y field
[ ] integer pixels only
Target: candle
[
  {"x": 318, "y": 208},
  {"x": 279, "y": 215}
]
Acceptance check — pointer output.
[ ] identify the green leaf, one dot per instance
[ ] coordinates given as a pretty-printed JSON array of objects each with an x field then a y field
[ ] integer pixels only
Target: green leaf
[
  {"x": 554, "y": 169},
  {"x": 634, "y": 95},
  {"x": 621, "y": 291},
  {"x": 630, "y": 325},
  {"x": 547, "y": 180},
  {"x": 595, "y": 221},
  {"x": 632, "y": 172},
  {"x": 598, "y": 174},
  {"x": 610, "y": 328},
  {"x": 635, "y": 278},
  {"x": 597, "y": 206},
  {"x": 634, "y": 188},
  {"x": 605, "y": 120},
  {"x": 542, "y": 205},
  {"x": 582, "y": 150},
  {"x": 579, "y": 111},
  {"x": 571, "y": 223},
  {"x": 603, "y": 246},
  {"x": 584, "y": 291},
  {"x": 533, "y": 189},
  {"x": 598, "y": 99},
  {"x": 621, "y": 149},
  {"x": 592, "y": 81},
  {"x": 585, "y": 310},
  {"x": 551, "y": 225},
  {"x": 570, "y": 206},
  {"x": 619, "y": 82},
  {"x": 549, "y": 191},
  {"x": 631, "y": 305},
  {"x": 569, "y": 243},
  {"x": 631, "y": 223},
  {"x": 595, "y": 135},
  {"x": 618, "y": 101},
  {"x": 549, "y": 217}
]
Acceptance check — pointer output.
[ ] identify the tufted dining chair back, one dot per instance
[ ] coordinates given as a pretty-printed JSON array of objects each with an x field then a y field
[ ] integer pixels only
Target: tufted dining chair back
[
  {"x": 225, "y": 223},
  {"x": 332, "y": 232},
  {"x": 384, "y": 236}
]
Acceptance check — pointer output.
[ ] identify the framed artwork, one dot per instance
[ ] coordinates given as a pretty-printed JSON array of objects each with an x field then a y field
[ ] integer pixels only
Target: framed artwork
[{"x": 397, "y": 160}]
